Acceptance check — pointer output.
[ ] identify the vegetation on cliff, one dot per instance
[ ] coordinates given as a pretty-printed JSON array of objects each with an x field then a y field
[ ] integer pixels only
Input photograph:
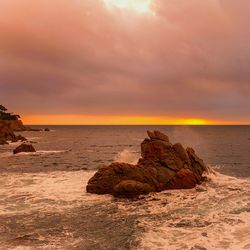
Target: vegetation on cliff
[{"x": 6, "y": 116}]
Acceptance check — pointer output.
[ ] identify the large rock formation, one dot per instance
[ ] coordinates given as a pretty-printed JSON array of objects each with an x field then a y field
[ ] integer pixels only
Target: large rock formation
[{"x": 162, "y": 166}]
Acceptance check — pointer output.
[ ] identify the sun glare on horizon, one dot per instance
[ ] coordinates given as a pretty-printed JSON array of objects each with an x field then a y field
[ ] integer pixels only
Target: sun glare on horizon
[{"x": 139, "y": 6}]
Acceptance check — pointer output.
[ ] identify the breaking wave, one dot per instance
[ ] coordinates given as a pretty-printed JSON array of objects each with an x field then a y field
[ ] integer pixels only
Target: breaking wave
[{"x": 127, "y": 156}]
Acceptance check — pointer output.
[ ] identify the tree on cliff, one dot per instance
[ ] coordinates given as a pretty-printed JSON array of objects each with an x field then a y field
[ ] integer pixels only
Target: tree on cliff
[
  {"x": 4, "y": 115},
  {"x": 2, "y": 108}
]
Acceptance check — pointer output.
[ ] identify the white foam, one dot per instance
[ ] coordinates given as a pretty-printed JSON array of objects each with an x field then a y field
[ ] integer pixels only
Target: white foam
[
  {"x": 214, "y": 216},
  {"x": 49, "y": 191},
  {"x": 33, "y": 138},
  {"x": 41, "y": 152},
  {"x": 127, "y": 156}
]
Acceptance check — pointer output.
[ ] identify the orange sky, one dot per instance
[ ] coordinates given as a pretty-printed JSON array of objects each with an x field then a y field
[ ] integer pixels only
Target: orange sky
[
  {"x": 150, "y": 61},
  {"x": 118, "y": 120}
]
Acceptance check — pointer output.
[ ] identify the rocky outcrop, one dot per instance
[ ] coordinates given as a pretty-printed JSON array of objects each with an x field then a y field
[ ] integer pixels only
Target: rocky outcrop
[
  {"x": 16, "y": 125},
  {"x": 25, "y": 147},
  {"x": 14, "y": 122},
  {"x": 162, "y": 166},
  {"x": 10, "y": 123},
  {"x": 6, "y": 133}
]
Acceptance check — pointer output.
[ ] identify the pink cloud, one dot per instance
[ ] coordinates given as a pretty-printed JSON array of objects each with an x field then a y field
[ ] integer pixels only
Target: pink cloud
[{"x": 191, "y": 58}]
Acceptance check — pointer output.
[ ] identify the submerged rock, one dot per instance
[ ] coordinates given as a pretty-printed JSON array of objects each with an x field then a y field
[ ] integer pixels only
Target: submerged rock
[
  {"x": 24, "y": 148},
  {"x": 162, "y": 166}
]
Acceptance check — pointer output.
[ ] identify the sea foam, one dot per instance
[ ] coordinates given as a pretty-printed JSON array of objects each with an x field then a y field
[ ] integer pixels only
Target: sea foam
[{"x": 214, "y": 215}]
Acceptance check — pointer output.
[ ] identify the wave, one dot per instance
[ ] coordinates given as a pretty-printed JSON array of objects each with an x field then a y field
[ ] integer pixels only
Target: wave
[
  {"x": 33, "y": 138},
  {"x": 52, "y": 191},
  {"x": 42, "y": 152},
  {"x": 214, "y": 215},
  {"x": 39, "y": 152}
]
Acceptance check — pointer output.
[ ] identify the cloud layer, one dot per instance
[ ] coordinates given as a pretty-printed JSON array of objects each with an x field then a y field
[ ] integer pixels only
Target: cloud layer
[{"x": 190, "y": 59}]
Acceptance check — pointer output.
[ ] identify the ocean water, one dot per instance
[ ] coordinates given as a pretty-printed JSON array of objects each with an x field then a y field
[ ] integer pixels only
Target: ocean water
[{"x": 44, "y": 205}]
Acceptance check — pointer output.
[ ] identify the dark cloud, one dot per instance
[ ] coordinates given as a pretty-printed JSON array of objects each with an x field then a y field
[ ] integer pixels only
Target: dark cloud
[{"x": 191, "y": 59}]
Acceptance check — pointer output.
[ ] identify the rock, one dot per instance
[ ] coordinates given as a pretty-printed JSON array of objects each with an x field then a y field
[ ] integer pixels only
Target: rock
[
  {"x": 24, "y": 148},
  {"x": 184, "y": 179},
  {"x": 3, "y": 142},
  {"x": 47, "y": 130},
  {"x": 157, "y": 135},
  {"x": 131, "y": 188},
  {"x": 162, "y": 166},
  {"x": 107, "y": 178},
  {"x": 16, "y": 125},
  {"x": 198, "y": 166},
  {"x": 6, "y": 133},
  {"x": 181, "y": 152},
  {"x": 21, "y": 138}
]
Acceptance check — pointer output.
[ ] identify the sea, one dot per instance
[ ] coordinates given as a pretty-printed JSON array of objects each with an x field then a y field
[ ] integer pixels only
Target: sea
[{"x": 44, "y": 204}]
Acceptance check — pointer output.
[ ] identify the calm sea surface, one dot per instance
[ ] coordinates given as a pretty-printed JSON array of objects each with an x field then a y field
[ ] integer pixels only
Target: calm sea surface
[{"x": 43, "y": 203}]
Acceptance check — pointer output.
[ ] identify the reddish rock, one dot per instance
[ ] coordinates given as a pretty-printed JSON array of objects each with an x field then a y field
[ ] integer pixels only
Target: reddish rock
[
  {"x": 162, "y": 166},
  {"x": 24, "y": 148},
  {"x": 16, "y": 125},
  {"x": 157, "y": 135},
  {"x": 184, "y": 179},
  {"x": 3, "y": 142},
  {"x": 131, "y": 188},
  {"x": 6, "y": 133},
  {"x": 107, "y": 178},
  {"x": 21, "y": 138}
]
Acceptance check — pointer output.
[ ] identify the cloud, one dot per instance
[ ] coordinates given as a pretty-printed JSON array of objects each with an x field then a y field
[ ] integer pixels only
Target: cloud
[{"x": 190, "y": 59}]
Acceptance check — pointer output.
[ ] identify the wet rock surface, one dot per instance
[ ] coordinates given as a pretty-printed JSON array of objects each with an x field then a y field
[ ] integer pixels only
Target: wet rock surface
[{"x": 162, "y": 166}]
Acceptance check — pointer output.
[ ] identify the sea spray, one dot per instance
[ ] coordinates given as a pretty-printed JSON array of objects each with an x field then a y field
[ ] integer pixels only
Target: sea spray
[{"x": 127, "y": 156}]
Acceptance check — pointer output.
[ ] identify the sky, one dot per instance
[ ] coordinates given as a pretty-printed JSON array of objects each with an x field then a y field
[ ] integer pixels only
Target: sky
[{"x": 126, "y": 62}]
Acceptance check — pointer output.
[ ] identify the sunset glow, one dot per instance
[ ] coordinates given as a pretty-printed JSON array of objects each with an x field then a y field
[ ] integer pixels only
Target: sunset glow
[
  {"x": 139, "y": 6},
  {"x": 115, "y": 120}
]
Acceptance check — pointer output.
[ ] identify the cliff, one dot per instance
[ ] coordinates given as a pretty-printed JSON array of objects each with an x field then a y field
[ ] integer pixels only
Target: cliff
[
  {"x": 8, "y": 124},
  {"x": 6, "y": 132}
]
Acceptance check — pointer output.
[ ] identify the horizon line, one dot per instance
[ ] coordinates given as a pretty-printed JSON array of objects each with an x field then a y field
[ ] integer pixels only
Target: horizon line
[{"x": 236, "y": 124}]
